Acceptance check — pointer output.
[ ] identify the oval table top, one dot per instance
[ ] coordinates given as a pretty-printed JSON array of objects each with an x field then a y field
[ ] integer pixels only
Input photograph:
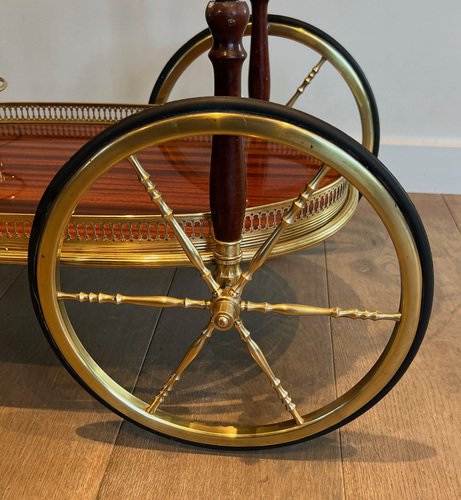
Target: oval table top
[{"x": 31, "y": 155}]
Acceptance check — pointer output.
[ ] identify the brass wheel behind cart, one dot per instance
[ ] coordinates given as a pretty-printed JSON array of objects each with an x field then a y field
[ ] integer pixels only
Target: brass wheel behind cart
[
  {"x": 226, "y": 304},
  {"x": 327, "y": 51}
]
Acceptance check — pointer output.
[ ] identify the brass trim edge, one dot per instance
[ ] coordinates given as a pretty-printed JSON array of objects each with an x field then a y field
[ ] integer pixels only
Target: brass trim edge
[{"x": 147, "y": 241}]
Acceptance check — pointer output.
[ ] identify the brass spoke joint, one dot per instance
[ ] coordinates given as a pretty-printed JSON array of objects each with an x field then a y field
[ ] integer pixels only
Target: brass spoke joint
[
  {"x": 164, "y": 391},
  {"x": 307, "y": 81},
  {"x": 337, "y": 312}
]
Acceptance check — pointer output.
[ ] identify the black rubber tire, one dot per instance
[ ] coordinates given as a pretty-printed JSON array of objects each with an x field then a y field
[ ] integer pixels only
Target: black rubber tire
[
  {"x": 296, "y": 23},
  {"x": 262, "y": 109}
]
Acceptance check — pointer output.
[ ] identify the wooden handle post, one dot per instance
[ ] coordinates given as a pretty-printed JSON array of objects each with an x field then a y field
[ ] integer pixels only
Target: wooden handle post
[
  {"x": 227, "y": 21},
  {"x": 259, "y": 80}
]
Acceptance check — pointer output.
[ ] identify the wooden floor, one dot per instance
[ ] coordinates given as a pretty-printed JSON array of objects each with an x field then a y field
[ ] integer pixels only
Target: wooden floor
[{"x": 56, "y": 442}]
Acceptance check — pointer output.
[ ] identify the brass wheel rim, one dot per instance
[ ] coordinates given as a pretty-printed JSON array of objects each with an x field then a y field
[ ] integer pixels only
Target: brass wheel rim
[
  {"x": 295, "y": 34},
  {"x": 264, "y": 128}
]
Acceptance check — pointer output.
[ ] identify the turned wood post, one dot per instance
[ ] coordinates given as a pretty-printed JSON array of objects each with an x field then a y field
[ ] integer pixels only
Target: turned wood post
[
  {"x": 227, "y": 21},
  {"x": 259, "y": 80}
]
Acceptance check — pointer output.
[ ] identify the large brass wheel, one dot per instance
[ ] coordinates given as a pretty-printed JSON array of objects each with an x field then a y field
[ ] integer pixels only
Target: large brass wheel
[
  {"x": 226, "y": 306},
  {"x": 328, "y": 53}
]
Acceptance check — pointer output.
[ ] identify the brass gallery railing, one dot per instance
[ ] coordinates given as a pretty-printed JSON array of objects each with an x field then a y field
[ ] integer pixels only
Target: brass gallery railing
[{"x": 147, "y": 240}]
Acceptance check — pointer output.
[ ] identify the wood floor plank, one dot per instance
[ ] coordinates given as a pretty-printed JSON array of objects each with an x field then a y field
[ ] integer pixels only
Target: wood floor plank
[
  {"x": 454, "y": 205},
  {"x": 42, "y": 408},
  {"x": 143, "y": 465},
  {"x": 8, "y": 273},
  {"x": 408, "y": 446},
  {"x": 56, "y": 442}
]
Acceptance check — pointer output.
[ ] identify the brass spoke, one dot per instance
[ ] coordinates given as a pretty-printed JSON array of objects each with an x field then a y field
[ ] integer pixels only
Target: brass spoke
[
  {"x": 306, "y": 82},
  {"x": 191, "y": 354},
  {"x": 167, "y": 214},
  {"x": 261, "y": 361},
  {"x": 288, "y": 219},
  {"x": 333, "y": 312},
  {"x": 149, "y": 301}
]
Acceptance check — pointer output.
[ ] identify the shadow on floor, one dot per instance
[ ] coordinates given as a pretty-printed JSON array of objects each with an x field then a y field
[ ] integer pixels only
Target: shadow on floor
[{"x": 373, "y": 448}]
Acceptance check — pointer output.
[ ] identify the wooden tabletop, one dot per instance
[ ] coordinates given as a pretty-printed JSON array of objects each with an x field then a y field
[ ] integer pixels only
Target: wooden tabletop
[{"x": 31, "y": 156}]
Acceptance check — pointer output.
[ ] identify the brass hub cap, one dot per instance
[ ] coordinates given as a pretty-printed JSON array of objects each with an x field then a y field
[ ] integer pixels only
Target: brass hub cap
[{"x": 225, "y": 310}]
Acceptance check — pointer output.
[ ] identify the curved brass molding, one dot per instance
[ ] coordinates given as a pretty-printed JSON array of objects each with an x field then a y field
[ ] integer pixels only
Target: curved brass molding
[{"x": 148, "y": 241}]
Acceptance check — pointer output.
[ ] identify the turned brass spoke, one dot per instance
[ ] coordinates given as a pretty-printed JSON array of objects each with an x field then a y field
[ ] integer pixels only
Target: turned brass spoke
[
  {"x": 149, "y": 301},
  {"x": 261, "y": 361},
  {"x": 333, "y": 312},
  {"x": 191, "y": 354},
  {"x": 168, "y": 216},
  {"x": 288, "y": 219},
  {"x": 306, "y": 82}
]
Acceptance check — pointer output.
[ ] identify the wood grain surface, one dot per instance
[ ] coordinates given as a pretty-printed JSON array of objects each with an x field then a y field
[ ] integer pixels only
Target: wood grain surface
[
  {"x": 56, "y": 442},
  {"x": 299, "y": 352},
  {"x": 228, "y": 170},
  {"x": 8, "y": 274},
  {"x": 454, "y": 206},
  {"x": 180, "y": 169},
  {"x": 41, "y": 406},
  {"x": 408, "y": 446},
  {"x": 259, "y": 73}
]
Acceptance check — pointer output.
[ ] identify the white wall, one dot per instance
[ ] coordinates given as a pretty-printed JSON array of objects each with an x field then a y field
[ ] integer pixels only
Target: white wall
[{"x": 112, "y": 50}]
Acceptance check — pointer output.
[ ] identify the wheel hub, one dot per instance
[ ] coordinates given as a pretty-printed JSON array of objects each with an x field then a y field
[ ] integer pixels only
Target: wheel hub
[{"x": 225, "y": 311}]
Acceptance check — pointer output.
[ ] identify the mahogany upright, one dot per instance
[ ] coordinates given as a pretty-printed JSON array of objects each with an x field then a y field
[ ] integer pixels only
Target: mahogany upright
[
  {"x": 227, "y": 21},
  {"x": 259, "y": 81}
]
